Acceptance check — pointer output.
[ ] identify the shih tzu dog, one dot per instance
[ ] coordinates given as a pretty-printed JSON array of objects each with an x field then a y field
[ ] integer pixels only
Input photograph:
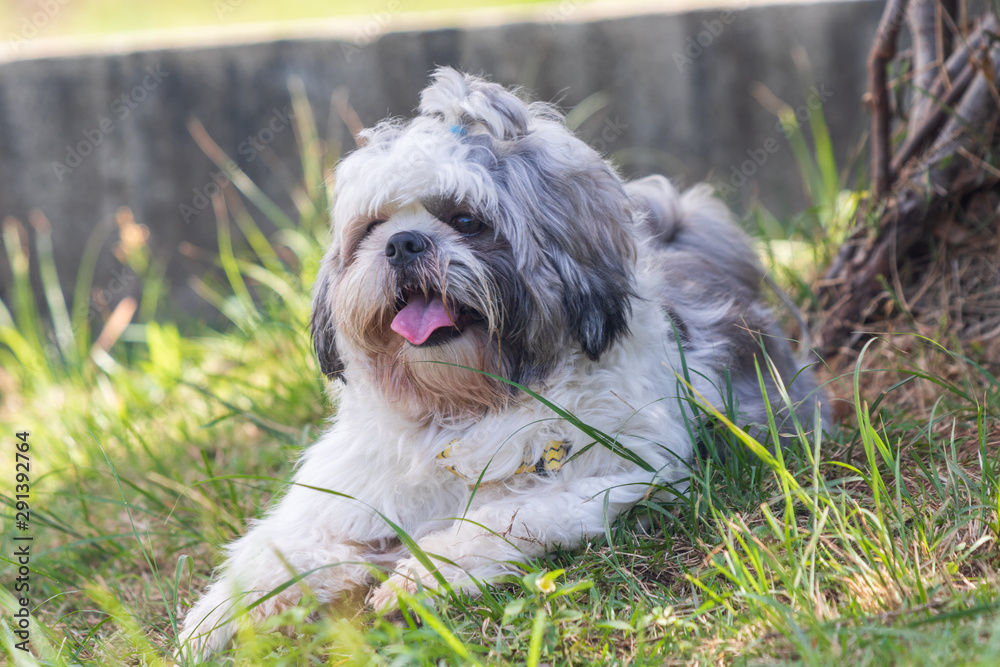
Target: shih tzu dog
[{"x": 490, "y": 273}]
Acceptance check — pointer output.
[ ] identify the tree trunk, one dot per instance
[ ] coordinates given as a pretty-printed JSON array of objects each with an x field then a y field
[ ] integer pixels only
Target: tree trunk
[{"x": 948, "y": 154}]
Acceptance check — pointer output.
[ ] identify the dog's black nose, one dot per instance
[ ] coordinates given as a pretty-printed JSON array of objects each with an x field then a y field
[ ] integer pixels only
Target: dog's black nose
[{"x": 404, "y": 247}]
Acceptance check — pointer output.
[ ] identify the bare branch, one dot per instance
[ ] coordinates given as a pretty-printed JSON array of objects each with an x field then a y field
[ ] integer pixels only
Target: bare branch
[
  {"x": 881, "y": 54},
  {"x": 918, "y": 137},
  {"x": 951, "y": 169},
  {"x": 922, "y": 20}
]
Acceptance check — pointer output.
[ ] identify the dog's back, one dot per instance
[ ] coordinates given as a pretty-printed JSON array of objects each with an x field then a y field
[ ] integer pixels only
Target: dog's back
[{"x": 711, "y": 286}]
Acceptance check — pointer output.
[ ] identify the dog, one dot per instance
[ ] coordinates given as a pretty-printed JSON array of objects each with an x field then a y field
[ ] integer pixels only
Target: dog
[{"x": 490, "y": 274}]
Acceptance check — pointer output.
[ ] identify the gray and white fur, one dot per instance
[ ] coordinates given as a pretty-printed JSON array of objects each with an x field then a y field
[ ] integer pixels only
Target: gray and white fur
[{"x": 483, "y": 240}]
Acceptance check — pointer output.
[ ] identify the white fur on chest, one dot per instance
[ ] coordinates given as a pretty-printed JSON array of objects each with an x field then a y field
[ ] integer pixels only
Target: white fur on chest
[{"x": 391, "y": 463}]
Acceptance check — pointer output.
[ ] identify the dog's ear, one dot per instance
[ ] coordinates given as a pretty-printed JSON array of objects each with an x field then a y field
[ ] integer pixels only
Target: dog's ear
[
  {"x": 323, "y": 333},
  {"x": 597, "y": 303},
  {"x": 595, "y": 269},
  {"x": 469, "y": 103},
  {"x": 578, "y": 217}
]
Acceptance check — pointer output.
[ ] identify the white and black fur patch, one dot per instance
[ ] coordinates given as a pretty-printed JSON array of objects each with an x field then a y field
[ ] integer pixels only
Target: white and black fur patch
[{"x": 558, "y": 275}]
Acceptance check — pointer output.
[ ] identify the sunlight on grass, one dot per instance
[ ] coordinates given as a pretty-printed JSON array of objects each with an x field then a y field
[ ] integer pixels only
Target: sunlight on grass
[{"x": 95, "y": 17}]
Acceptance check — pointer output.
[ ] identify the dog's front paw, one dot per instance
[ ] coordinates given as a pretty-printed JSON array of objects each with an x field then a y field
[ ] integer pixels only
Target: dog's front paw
[
  {"x": 410, "y": 577},
  {"x": 212, "y": 622},
  {"x": 386, "y": 595},
  {"x": 206, "y": 630}
]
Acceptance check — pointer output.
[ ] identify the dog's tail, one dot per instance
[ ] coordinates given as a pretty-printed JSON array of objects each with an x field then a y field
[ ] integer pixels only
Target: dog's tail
[
  {"x": 698, "y": 224},
  {"x": 714, "y": 284}
]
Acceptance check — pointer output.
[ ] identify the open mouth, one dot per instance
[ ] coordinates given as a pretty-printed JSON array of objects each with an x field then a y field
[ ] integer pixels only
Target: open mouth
[{"x": 425, "y": 321}]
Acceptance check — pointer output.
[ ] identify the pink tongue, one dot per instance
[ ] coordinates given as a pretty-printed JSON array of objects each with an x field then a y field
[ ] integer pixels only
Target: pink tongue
[{"x": 420, "y": 318}]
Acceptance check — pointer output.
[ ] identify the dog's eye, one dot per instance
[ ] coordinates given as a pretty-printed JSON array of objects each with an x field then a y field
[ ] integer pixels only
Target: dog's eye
[
  {"x": 371, "y": 227},
  {"x": 467, "y": 225}
]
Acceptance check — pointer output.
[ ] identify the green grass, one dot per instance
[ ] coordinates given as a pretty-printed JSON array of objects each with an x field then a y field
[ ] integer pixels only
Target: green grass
[
  {"x": 874, "y": 546},
  {"x": 99, "y": 17}
]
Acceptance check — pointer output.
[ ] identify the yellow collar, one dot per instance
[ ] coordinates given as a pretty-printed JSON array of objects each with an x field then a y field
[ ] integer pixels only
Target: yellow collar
[{"x": 553, "y": 457}]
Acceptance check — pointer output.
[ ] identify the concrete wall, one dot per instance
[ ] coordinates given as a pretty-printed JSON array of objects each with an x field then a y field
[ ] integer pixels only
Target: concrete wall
[{"x": 675, "y": 106}]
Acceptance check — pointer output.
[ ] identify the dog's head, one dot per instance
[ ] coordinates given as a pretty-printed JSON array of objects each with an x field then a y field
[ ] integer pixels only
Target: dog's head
[{"x": 481, "y": 233}]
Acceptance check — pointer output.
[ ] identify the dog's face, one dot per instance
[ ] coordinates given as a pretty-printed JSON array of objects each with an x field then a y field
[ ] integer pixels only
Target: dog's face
[{"x": 480, "y": 234}]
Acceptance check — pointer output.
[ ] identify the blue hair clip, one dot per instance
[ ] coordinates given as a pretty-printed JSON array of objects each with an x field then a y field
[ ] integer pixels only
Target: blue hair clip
[{"x": 459, "y": 130}]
